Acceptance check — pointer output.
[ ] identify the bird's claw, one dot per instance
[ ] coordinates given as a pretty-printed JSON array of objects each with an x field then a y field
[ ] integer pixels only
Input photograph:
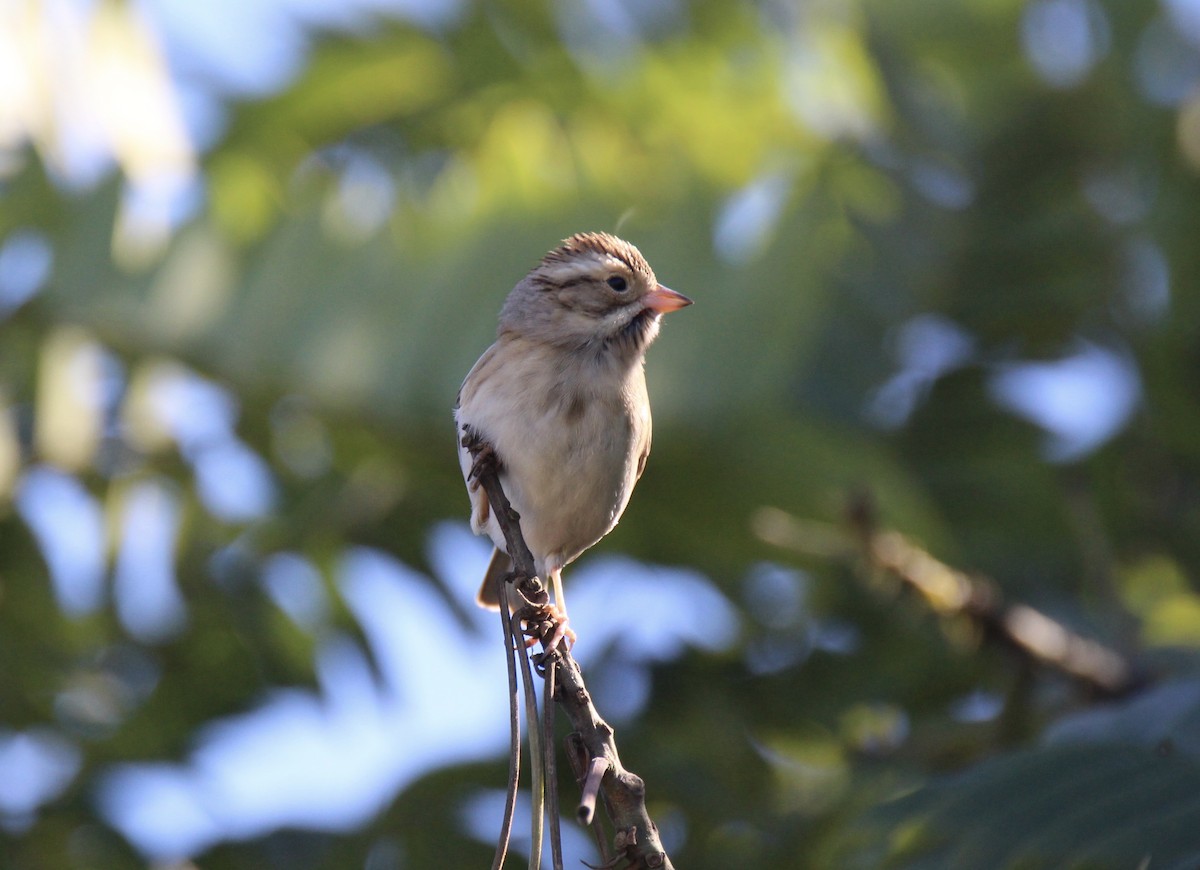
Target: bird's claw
[
  {"x": 547, "y": 625},
  {"x": 484, "y": 457},
  {"x": 559, "y": 631}
]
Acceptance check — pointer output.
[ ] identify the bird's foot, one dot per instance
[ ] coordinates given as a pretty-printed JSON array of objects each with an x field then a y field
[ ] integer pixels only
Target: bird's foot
[
  {"x": 482, "y": 453},
  {"x": 560, "y": 630},
  {"x": 545, "y": 624}
]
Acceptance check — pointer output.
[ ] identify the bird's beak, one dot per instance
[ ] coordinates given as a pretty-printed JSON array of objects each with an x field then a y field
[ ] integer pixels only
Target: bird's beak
[{"x": 663, "y": 299}]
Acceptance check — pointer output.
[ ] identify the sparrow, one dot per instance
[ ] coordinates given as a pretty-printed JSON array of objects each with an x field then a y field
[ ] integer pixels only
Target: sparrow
[{"x": 561, "y": 399}]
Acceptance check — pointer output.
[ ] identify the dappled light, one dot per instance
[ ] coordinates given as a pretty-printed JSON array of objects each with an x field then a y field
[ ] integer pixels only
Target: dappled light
[
  {"x": 35, "y": 767},
  {"x": 68, "y": 522},
  {"x": 909, "y": 579},
  {"x": 1081, "y": 401}
]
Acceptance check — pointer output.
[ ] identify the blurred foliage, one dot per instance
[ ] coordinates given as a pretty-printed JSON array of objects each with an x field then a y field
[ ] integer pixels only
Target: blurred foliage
[{"x": 818, "y": 176}]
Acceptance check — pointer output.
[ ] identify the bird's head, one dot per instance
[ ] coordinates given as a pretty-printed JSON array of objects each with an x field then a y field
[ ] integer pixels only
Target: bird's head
[{"x": 593, "y": 292}]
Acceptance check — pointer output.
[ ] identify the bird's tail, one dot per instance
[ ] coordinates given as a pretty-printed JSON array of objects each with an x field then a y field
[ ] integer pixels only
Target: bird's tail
[{"x": 489, "y": 590}]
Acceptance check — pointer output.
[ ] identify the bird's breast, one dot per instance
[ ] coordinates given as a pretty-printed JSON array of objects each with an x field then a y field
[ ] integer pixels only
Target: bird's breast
[{"x": 569, "y": 433}]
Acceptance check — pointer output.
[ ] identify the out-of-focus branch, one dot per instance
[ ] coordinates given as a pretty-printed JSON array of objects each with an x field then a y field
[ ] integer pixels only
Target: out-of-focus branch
[
  {"x": 635, "y": 836},
  {"x": 947, "y": 591}
]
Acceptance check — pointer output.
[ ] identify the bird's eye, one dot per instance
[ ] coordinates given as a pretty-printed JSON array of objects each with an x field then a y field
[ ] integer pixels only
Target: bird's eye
[{"x": 618, "y": 283}]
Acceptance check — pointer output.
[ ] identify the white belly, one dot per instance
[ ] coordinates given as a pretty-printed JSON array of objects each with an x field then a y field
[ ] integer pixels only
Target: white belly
[{"x": 569, "y": 467}]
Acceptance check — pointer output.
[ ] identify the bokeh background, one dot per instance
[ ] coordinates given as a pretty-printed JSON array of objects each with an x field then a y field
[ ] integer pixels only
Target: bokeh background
[{"x": 944, "y": 257}]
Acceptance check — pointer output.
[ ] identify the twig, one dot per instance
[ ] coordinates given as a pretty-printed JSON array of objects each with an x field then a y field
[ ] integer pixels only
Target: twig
[
  {"x": 636, "y": 836},
  {"x": 556, "y": 853},
  {"x": 577, "y": 755},
  {"x": 514, "y": 746},
  {"x": 536, "y": 755},
  {"x": 591, "y": 788}
]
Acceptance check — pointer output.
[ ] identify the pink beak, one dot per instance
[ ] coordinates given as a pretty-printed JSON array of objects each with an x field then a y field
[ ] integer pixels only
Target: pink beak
[{"x": 664, "y": 299}]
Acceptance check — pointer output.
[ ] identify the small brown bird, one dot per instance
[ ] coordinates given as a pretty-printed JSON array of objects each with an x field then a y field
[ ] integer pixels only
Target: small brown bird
[{"x": 561, "y": 398}]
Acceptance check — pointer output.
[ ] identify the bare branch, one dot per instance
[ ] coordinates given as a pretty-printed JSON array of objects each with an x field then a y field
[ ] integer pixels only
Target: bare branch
[
  {"x": 556, "y": 854},
  {"x": 537, "y": 768},
  {"x": 636, "y": 836},
  {"x": 514, "y": 748}
]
